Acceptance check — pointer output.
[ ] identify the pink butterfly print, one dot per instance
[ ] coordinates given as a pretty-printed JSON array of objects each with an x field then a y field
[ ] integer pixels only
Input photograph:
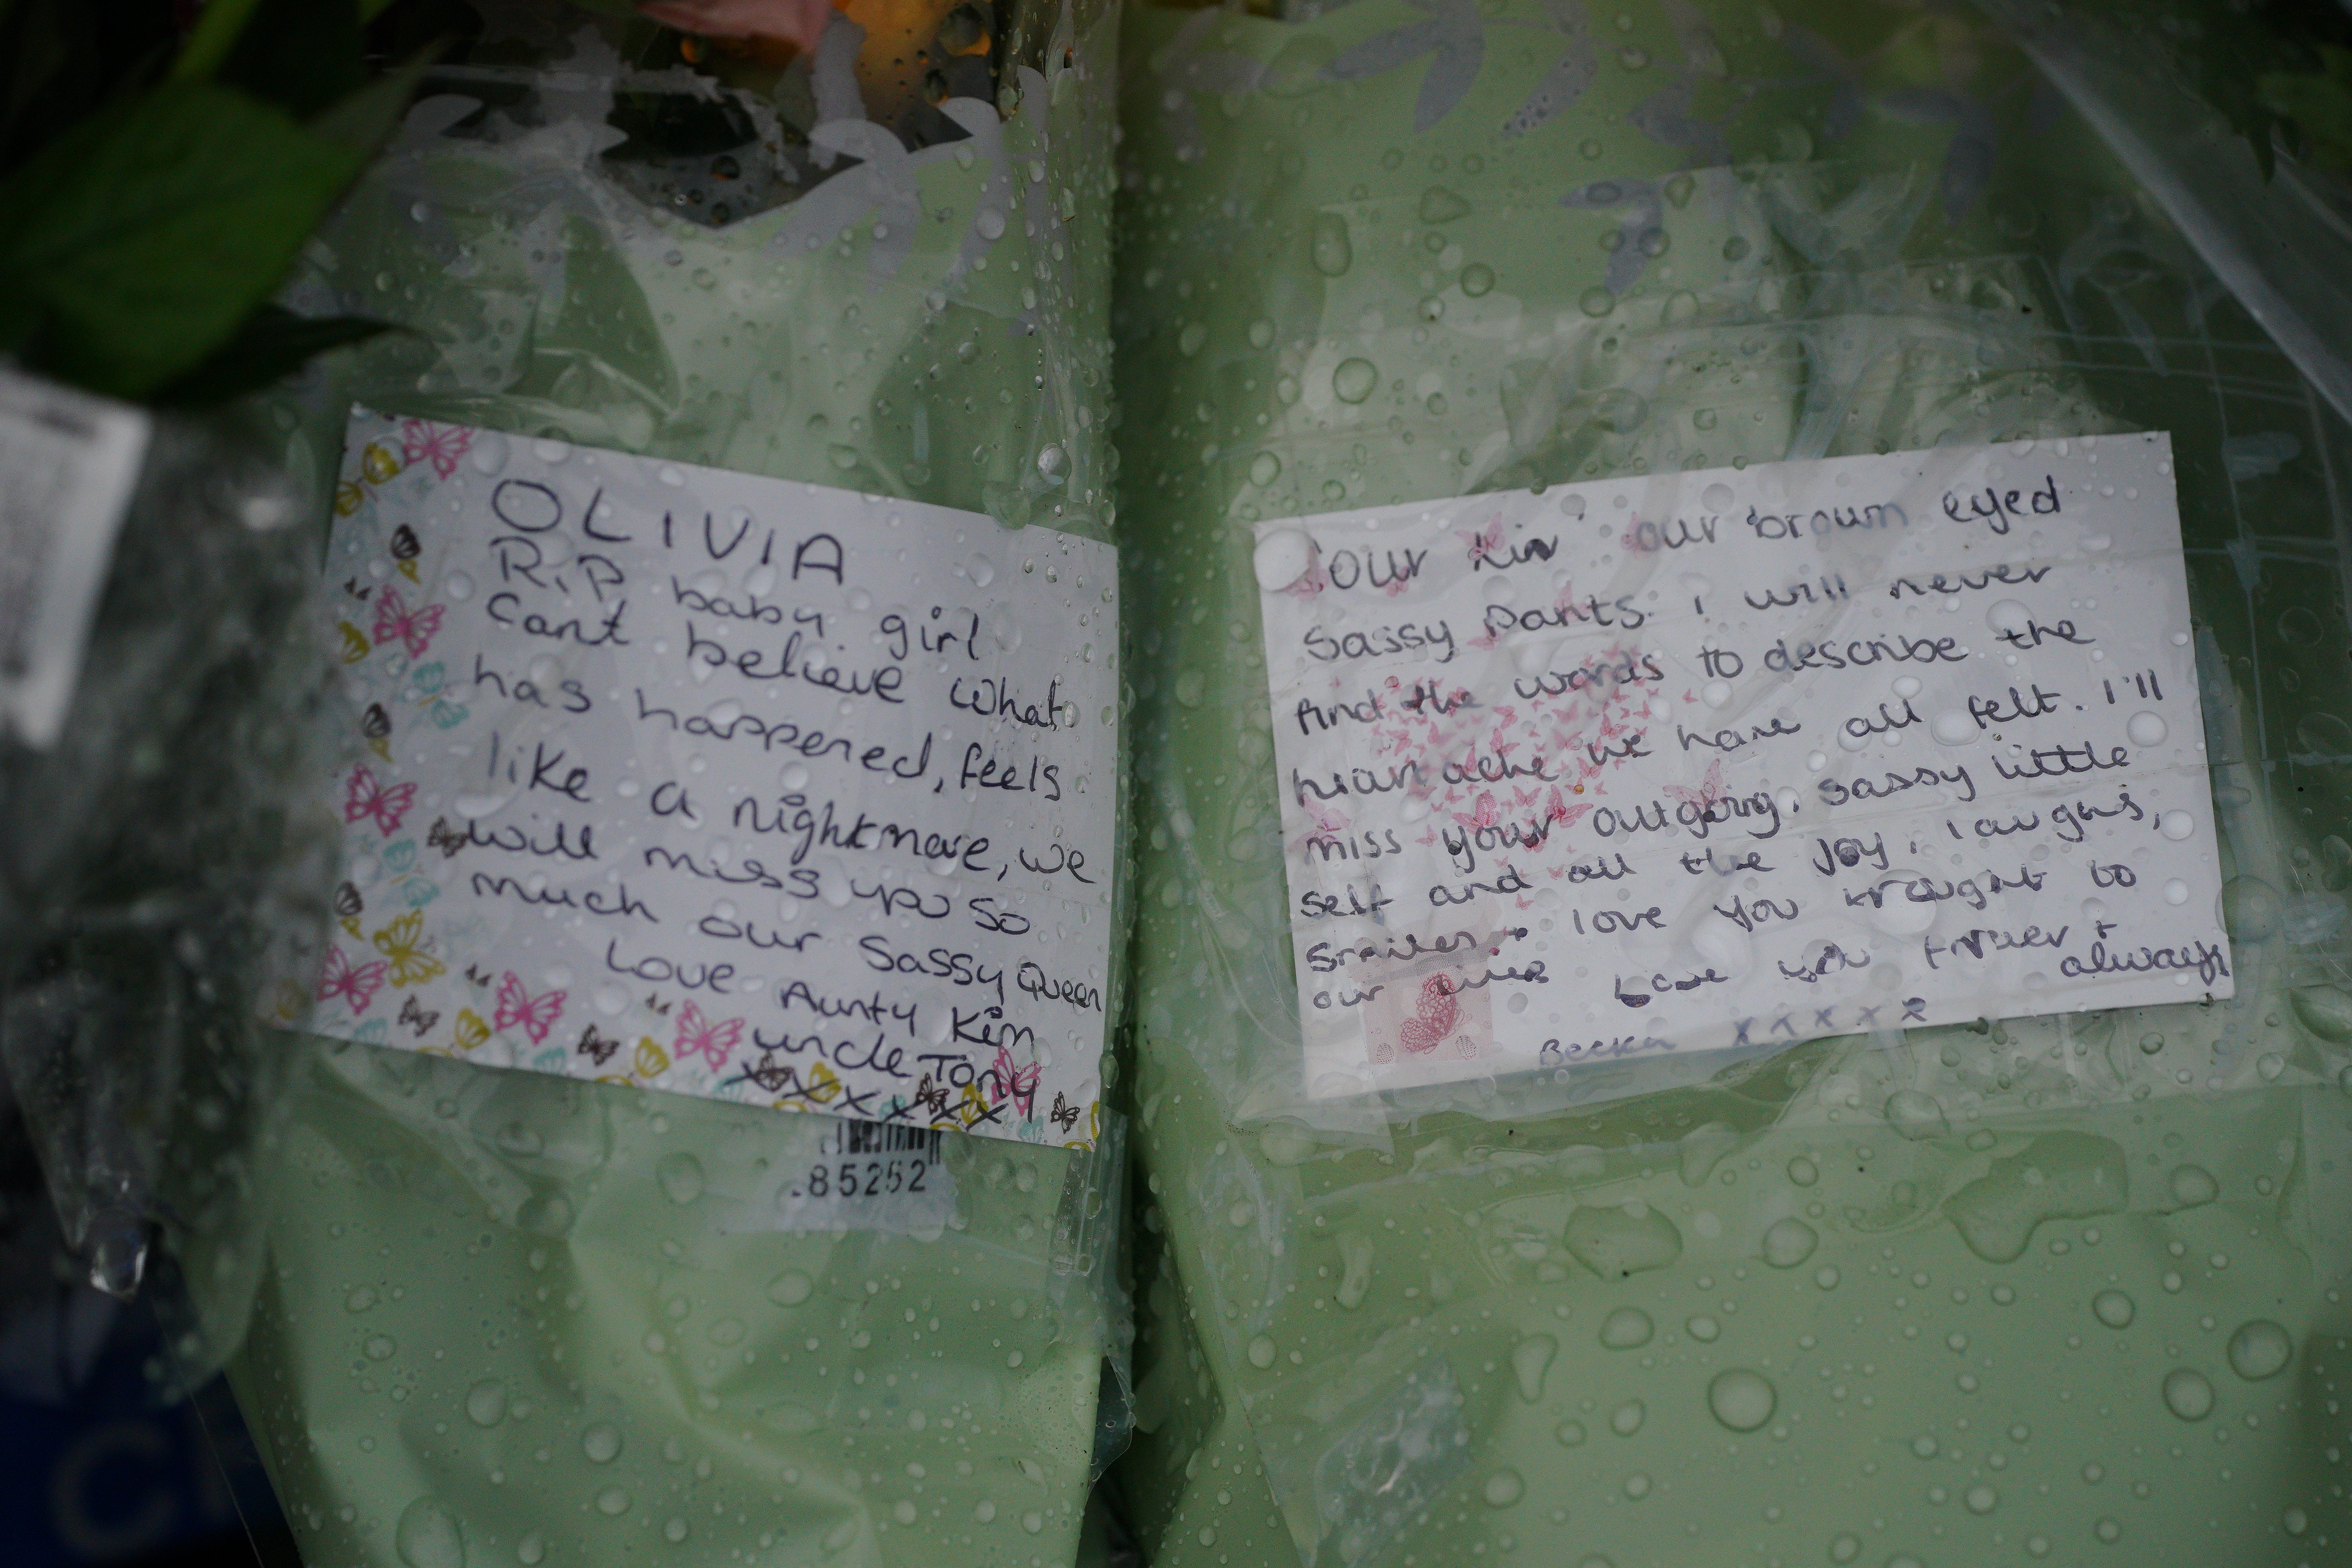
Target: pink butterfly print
[
  {"x": 1432, "y": 1020},
  {"x": 355, "y": 983},
  {"x": 363, "y": 796},
  {"x": 698, "y": 1036},
  {"x": 1327, "y": 824},
  {"x": 441, "y": 444},
  {"x": 1486, "y": 813},
  {"x": 536, "y": 1014},
  {"x": 1485, "y": 544},
  {"x": 415, "y": 628},
  {"x": 1019, "y": 1083},
  {"x": 1559, "y": 810},
  {"x": 1710, "y": 791}
]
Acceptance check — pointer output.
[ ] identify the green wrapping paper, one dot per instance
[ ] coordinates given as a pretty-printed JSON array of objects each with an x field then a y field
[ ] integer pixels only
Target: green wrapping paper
[
  {"x": 512, "y": 1317},
  {"x": 2009, "y": 1291}
]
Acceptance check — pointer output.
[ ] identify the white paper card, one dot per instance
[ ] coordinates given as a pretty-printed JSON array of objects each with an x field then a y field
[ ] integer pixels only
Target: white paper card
[
  {"x": 68, "y": 464},
  {"x": 1739, "y": 757},
  {"x": 722, "y": 784}
]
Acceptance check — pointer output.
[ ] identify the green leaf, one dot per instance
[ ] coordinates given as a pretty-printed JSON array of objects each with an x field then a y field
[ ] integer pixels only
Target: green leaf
[
  {"x": 270, "y": 345},
  {"x": 212, "y": 38},
  {"x": 144, "y": 235},
  {"x": 299, "y": 54}
]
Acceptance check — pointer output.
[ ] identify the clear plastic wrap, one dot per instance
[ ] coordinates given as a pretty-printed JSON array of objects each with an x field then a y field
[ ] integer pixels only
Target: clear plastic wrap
[
  {"x": 167, "y": 862},
  {"x": 1947, "y": 1292},
  {"x": 581, "y": 1331}
]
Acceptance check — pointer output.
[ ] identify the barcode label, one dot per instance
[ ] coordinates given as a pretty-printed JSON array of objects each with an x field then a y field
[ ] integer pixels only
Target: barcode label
[
  {"x": 68, "y": 464},
  {"x": 867, "y": 1175}
]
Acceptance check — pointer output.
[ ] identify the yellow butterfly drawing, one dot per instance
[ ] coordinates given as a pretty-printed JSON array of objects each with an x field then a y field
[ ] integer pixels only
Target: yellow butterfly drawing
[
  {"x": 356, "y": 643},
  {"x": 377, "y": 463},
  {"x": 402, "y": 941},
  {"x": 407, "y": 569},
  {"x": 823, "y": 1084},
  {"x": 348, "y": 497},
  {"x": 651, "y": 1060},
  {"x": 471, "y": 1030}
]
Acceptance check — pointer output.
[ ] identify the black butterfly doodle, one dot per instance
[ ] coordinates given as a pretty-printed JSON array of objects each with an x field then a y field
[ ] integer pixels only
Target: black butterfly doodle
[
  {"x": 475, "y": 975},
  {"x": 403, "y": 544},
  {"x": 1065, "y": 1114},
  {"x": 417, "y": 1017},
  {"x": 351, "y": 586},
  {"x": 654, "y": 1002},
  {"x": 347, "y": 901},
  {"x": 600, "y": 1046},
  {"x": 444, "y": 838},
  {"x": 375, "y": 723}
]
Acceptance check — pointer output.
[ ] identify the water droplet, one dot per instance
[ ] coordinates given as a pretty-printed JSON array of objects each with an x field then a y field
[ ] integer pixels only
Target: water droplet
[
  {"x": 2177, "y": 824},
  {"x": 2009, "y": 615},
  {"x": 1477, "y": 279},
  {"x": 613, "y": 1500},
  {"x": 1261, "y": 1352},
  {"x": 1571, "y": 1434},
  {"x": 1917, "y": 1114},
  {"x": 486, "y": 1402},
  {"x": 790, "y": 1288},
  {"x": 1439, "y": 205},
  {"x": 2114, "y": 1309},
  {"x": 1596, "y": 302},
  {"x": 1742, "y": 1399},
  {"x": 378, "y": 1347},
  {"x": 1328, "y": 245},
  {"x": 1530, "y": 1359},
  {"x": 1953, "y": 727},
  {"x": 2188, "y": 1394},
  {"x": 1627, "y": 1327},
  {"x": 1981, "y": 1498},
  {"x": 2194, "y": 1186},
  {"x": 1717, "y": 694},
  {"x": 1627, "y": 1418},
  {"x": 1615, "y": 1240},
  {"x": 2259, "y": 1349},
  {"x": 1282, "y": 558},
  {"x": 2325, "y": 1010},
  {"x": 428, "y": 1536},
  {"x": 2146, "y": 729},
  {"x": 1803, "y": 1172},
  {"x": 1789, "y": 1242},
  {"x": 1503, "y": 1488},
  {"x": 2176, "y": 891},
  {"x": 601, "y": 1443},
  {"x": 1264, "y": 469},
  {"x": 1354, "y": 380},
  {"x": 680, "y": 1176}
]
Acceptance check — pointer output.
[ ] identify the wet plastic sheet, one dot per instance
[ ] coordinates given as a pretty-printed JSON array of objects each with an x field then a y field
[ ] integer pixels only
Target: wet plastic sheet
[
  {"x": 1938, "y": 1293},
  {"x": 518, "y": 1317}
]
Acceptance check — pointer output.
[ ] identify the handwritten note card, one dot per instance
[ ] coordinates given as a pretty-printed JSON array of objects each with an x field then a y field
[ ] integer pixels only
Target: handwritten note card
[
  {"x": 1735, "y": 758},
  {"x": 722, "y": 784}
]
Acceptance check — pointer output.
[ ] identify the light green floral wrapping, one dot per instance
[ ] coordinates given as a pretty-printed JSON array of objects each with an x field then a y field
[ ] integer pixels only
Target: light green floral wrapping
[
  {"x": 509, "y": 1318},
  {"x": 2002, "y": 1293}
]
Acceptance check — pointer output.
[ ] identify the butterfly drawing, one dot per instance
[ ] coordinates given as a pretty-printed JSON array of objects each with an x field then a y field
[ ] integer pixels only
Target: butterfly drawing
[
  {"x": 355, "y": 983},
  {"x": 1704, "y": 797},
  {"x": 376, "y": 462},
  {"x": 536, "y": 1014},
  {"x": 1434, "y": 1020},
  {"x": 348, "y": 497},
  {"x": 1019, "y": 1083},
  {"x": 1486, "y": 813},
  {"x": 1485, "y": 544},
  {"x": 598, "y": 1046},
  {"x": 355, "y": 645},
  {"x": 445, "y": 838},
  {"x": 404, "y": 945},
  {"x": 364, "y": 797},
  {"x": 405, "y": 551},
  {"x": 414, "y": 628},
  {"x": 698, "y": 1035},
  {"x": 440, "y": 445},
  {"x": 416, "y": 1017},
  {"x": 1327, "y": 827},
  {"x": 471, "y": 1030}
]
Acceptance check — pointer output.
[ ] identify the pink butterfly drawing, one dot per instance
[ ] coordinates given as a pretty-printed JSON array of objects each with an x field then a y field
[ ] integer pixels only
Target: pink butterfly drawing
[
  {"x": 1559, "y": 810},
  {"x": 698, "y": 1035},
  {"x": 364, "y": 797},
  {"x": 415, "y": 628},
  {"x": 442, "y": 445},
  {"x": 1485, "y": 544},
  {"x": 1327, "y": 824},
  {"x": 1019, "y": 1083},
  {"x": 536, "y": 1014},
  {"x": 1710, "y": 791},
  {"x": 1486, "y": 814},
  {"x": 355, "y": 983}
]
